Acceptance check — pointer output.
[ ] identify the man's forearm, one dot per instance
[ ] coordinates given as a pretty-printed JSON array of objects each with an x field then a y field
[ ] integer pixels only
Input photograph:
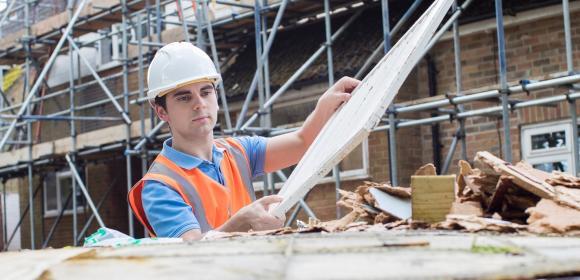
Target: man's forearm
[
  {"x": 313, "y": 125},
  {"x": 234, "y": 224}
]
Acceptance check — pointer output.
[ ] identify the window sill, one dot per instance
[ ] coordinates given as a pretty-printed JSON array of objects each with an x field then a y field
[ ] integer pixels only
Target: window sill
[{"x": 54, "y": 213}]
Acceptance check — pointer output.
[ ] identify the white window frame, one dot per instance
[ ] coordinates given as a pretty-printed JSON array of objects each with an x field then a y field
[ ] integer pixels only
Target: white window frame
[
  {"x": 115, "y": 55},
  {"x": 551, "y": 154},
  {"x": 51, "y": 213}
]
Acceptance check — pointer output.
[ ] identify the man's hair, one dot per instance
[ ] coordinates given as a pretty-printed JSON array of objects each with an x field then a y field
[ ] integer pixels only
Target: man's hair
[{"x": 161, "y": 101}]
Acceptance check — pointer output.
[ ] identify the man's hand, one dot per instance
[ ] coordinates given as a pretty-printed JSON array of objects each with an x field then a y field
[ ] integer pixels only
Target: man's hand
[
  {"x": 258, "y": 217},
  {"x": 255, "y": 216},
  {"x": 287, "y": 149},
  {"x": 336, "y": 95}
]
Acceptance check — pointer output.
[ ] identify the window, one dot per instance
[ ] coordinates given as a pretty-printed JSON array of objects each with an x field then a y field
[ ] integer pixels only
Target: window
[
  {"x": 57, "y": 189},
  {"x": 547, "y": 146},
  {"x": 109, "y": 48}
]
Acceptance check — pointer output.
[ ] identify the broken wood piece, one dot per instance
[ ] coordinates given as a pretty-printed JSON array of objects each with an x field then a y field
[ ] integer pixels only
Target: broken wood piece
[
  {"x": 401, "y": 192},
  {"x": 563, "y": 179},
  {"x": 464, "y": 170},
  {"x": 392, "y": 205},
  {"x": 500, "y": 191},
  {"x": 432, "y": 197},
  {"x": 472, "y": 223},
  {"x": 549, "y": 217},
  {"x": 521, "y": 175},
  {"x": 466, "y": 208},
  {"x": 426, "y": 170}
]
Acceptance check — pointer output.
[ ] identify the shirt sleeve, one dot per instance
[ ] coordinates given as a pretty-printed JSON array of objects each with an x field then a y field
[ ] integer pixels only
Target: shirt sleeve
[
  {"x": 255, "y": 147},
  {"x": 166, "y": 211}
]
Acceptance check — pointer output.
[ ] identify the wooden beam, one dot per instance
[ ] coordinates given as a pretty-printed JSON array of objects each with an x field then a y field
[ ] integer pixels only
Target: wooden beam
[{"x": 432, "y": 197}]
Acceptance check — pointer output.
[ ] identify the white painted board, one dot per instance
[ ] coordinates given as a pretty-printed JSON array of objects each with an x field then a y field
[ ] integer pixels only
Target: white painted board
[
  {"x": 395, "y": 206},
  {"x": 355, "y": 120}
]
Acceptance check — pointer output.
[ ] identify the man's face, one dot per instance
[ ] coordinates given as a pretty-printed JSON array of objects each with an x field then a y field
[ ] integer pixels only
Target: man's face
[{"x": 191, "y": 110}]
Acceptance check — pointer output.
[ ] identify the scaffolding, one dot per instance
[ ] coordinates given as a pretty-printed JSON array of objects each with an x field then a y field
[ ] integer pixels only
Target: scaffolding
[{"x": 137, "y": 14}]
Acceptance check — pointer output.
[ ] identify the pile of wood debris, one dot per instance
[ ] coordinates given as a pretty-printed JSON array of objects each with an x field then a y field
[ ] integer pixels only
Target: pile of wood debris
[{"x": 494, "y": 196}]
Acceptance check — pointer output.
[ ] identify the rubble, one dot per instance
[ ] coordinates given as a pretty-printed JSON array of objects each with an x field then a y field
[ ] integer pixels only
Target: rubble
[
  {"x": 492, "y": 196},
  {"x": 548, "y": 217},
  {"x": 562, "y": 179},
  {"x": 472, "y": 223}
]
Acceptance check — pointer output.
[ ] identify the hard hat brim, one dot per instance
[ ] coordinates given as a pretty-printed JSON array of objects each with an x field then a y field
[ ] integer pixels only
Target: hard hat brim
[{"x": 160, "y": 92}]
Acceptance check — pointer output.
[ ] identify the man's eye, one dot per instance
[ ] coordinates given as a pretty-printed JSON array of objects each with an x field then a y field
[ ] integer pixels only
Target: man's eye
[
  {"x": 184, "y": 98},
  {"x": 205, "y": 93}
]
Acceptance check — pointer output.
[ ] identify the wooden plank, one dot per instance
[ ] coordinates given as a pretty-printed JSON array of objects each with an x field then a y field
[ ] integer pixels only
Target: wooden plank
[
  {"x": 355, "y": 120},
  {"x": 432, "y": 197}
]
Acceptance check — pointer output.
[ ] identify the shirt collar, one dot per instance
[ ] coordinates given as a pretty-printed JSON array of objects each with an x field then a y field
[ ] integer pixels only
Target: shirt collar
[{"x": 187, "y": 161}]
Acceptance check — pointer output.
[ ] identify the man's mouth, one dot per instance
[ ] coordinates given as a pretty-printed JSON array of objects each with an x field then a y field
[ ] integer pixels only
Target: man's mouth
[{"x": 200, "y": 118}]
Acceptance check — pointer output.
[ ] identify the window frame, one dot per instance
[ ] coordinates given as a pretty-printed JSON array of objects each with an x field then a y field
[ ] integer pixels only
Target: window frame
[
  {"x": 115, "y": 53},
  {"x": 565, "y": 153},
  {"x": 52, "y": 213}
]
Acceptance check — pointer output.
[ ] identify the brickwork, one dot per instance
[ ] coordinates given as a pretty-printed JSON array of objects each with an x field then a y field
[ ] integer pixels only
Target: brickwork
[{"x": 535, "y": 50}]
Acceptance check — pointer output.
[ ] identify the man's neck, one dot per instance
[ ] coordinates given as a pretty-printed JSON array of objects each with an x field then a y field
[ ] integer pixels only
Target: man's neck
[{"x": 200, "y": 147}]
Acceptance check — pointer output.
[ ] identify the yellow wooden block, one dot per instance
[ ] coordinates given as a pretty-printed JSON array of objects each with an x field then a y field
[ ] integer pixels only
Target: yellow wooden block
[{"x": 432, "y": 197}]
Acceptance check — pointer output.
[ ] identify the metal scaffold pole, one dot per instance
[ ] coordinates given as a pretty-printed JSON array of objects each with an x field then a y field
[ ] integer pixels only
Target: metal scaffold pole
[
  {"x": 571, "y": 102},
  {"x": 507, "y": 144},
  {"x": 125, "y": 61},
  {"x": 258, "y": 44},
  {"x": 216, "y": 61},
  {"x": 392, "y": 135},
  {"x": 459, "y": 134},
  {"x": 330, "y": 65},
  {"x": 267, "y": 92},
  {"x": 73, "y": 133},
  {"x": 140, "y": 78},
  {"x": 28, "y": 108}
]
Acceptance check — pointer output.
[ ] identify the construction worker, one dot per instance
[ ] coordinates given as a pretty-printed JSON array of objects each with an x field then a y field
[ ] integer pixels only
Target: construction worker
[{"x": 198, "y": 183}]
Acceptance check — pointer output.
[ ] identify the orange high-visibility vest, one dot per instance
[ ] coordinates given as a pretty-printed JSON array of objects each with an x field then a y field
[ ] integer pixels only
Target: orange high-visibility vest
[{"x": 212, "y": 203}]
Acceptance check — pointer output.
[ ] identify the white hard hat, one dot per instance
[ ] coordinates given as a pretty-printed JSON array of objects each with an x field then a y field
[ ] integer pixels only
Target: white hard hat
[{"x": 178, "y": 64}]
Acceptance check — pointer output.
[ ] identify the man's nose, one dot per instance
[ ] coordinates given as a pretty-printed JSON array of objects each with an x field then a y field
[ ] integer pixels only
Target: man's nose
[{"x": 198, "y": 102}]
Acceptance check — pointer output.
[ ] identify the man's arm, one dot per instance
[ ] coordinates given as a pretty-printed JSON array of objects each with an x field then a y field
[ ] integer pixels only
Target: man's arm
[{"x": 286, "y": 150}]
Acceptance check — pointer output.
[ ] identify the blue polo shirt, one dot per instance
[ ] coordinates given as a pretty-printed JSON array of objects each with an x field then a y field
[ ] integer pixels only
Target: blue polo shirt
[{"x": 167, "y": 212}]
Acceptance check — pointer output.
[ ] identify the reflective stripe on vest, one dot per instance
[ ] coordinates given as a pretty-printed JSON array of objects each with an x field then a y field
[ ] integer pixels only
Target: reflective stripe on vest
[{"x": 212, "y": 203}]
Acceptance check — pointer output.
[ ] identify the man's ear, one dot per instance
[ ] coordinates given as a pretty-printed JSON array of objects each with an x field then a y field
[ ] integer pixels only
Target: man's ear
[{"x": 161, "y": 113}]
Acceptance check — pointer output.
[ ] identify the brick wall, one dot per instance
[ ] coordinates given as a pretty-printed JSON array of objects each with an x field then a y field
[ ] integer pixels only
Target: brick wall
[{"x": 535, "y": 50}]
